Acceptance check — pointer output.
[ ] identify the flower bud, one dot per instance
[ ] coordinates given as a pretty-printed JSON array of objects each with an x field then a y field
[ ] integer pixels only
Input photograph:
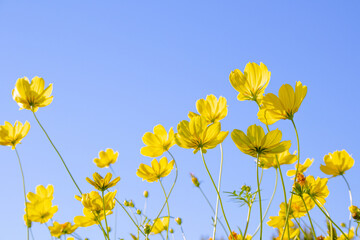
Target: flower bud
[
  {"x": 147, "y": 229},
  {"x": 171, "y": 230},
  {"x": 343, "y": 224},
  {"x": 131, "y": 204},
  {"x": 178, "y": 220},
  {"x": 146, "y": 194},
  {"x": 138, "y": 211},
  {"x": 194, "y": 180},
  {"x": 126, "y": 203},
  {"x": 246, "y": 188}
]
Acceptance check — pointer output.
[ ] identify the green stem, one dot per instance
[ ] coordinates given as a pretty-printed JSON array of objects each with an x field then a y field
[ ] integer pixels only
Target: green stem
[
  {"x": 259, "y": 191},
  {"x": 24, "y": 189},
  {"x": 47, "y": 227},
  {"x": 248, "y": 218},
  {"x": 296, "y": 172},
  {"x": 100, "y": 225},
  {"x": 212, "y": 208},
  {"x": 182, "y": 233},
  {"x": 302, "y": 230},
  {"x": 307, "y": 211},
  {"x": 106, "y": 224},
  {"x": 171, "y": 189},
  {"x": 351, "y": 201},
  {"x": 57, "y": 153},
  {"x": 219, "y": 184},
  {"x": 212, "y": 180},
  {"x": 168, "y": 209},
  {"x": 271, "y": 199},
  {"x": 328, "y": 217}
]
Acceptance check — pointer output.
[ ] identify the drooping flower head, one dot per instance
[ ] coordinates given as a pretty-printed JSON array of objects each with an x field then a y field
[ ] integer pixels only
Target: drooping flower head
[
  {"x": 197, "y": 134},
  {"x": 337, "y": 163},
  {"x": 301, "y": 167},
  {"x": 158, "y": 142},
  {"x": 256, "y": 143},
  {"x": 90, "y": 218},
  {"x": 252, "y": 83},
  {"x": 283, "y": 107},
  {"x": 157, "y": 170},
  {"x": 94, "y": 202},
  {"x": 160, "y": 225},
  {"x": 32, "y": 95},
  {"x": 101, "y": 183},
  {"x": 277, "y": 160},
  {"x": 57, "y": 230},
  {"x": 12, "y": 135},
  {"x": 106, "y": 158},
  {"x": 212, "y": 109}
]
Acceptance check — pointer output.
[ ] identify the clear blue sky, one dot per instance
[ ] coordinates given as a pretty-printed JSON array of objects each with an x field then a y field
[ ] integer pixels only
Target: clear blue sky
[{"x": 121, "y": 67}]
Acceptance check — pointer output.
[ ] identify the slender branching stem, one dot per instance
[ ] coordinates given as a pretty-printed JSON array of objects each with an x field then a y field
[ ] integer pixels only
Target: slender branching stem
[
  {"x": 219, "y": 185},
  {"x": 351, "y": 201},
  {"x": 106, "y": 224},
  {"x": 168, "y": 209},
  {"x": 308, "y": 214}
]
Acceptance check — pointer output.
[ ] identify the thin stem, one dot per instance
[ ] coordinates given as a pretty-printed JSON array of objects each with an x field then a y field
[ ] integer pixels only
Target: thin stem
[
  {"x": 182, "y": 233},
  {"x": 219, "y": 185},
  {"x": 32, "y": 235},
  {"x": 351, "y": 201},
  {"x": 212, "y": 180},
  {"x": 259, "y": 191},
  {"x": 100, "y": 225},
  {"x": 168, "y": 209},
  {"x": 296, "y": 172},
  {"x": 57, "y": 153},
  {"x": 271, "y": 199},
  {"x": 47, "y": 227},
  {"x": 171, "y": 189},
  {"x": 212, "y": 208},
  {"x": 248, "y": 218},
  {"x": 106, "y": 224},
  {"x": 115, "y": 231},
  {"x": 24, "y": 189},
  {"x": 307, "y": 211},
  {"x": 328, "y": 216},
  {"x": 298, "y": 223}
]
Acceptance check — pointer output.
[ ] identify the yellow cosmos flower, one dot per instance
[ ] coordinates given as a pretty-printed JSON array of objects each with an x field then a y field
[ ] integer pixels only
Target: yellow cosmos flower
[
  {"x": 283, "y": 107},
  {"x": 94, "y": 202},
  {"x": 58, "y": 229},
  {"x": 279, "y": 221},
  {"x": 158, "y": 142},
  {"x": 351, "y": 235},
  {"x": 160, "y": 225},
  {"x": 157, "y": 170},
  {"x": 90, "y": 218},
  {"x": 106, "y": 158},
  {"x": 301, "y": 168},
  {"x": 32, "y": 95},
  {"x": 282, "y": 158},
  {"x": 197, "y": 134},
  {"x": 298, "y": 208},
  {"x": 317, "y": 188},
  {"x": 235, "y": 236},
  {"x": 12, "y": 135},
  {"x": 212, "y": 109},
  {"x": 294, "y": 232},
  {"x": 250, "y": 85},
  {"x": 101, "y": 183},
  {"x": 41, "y": 193},
  {"x": 256, "y": 143},
  {"x": 337, "y": 163}
]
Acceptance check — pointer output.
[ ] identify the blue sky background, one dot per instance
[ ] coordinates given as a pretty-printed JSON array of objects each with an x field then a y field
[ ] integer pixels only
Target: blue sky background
[{"x": 121, "y": 67}]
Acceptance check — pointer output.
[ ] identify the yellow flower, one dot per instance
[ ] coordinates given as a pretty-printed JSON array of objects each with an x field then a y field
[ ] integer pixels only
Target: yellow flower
[
  {"x": 32, "y": 95},
  {"x": 94, "y": 202},
  {"x": 211, "y": 109},
  {"x": 106, "y": 158},
  {"x": 283, "y": 107},
  {"x": 197, "y": 134},
  {"x": 282, "y": 158},
  {"x": 250, "y": 85},
  {"x": 301, "y": 169},
  {"x": 279, "y": 221},
  {"x": 101, "y": 183},
  {"x": 158, "y": 142},
  {"x": 90, "y": 218},
  {"x": 160, "y": 225},
  {"x": 293, "y": 233},
  {"x": 337, "y": 163},
  {"x": 58, "y": 229},
  {"x": 351, "y": 235},
  {"x": 317, "y": 188},
  {"x": 257, "y": 143},
  {"x": 39, "y": 207},
  {"x": 235, "y": 236},
  {"x": 12, "y": 135},
  {"x": 298, "y": 209},
  {"x": 157, "y": 170}
]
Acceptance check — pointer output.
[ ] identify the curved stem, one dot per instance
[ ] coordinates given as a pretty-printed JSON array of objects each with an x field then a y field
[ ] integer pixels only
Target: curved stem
[
  {"x": 219, "y": 185},
  {"x": 106, "y": 224},
  {"x": 168, "y": 209},
  {"x": 212, "y": 208},
  {"x": 212, "y": 180},
  {"x": 351, "y": 201},
  {"x": 296, "y": 172},
  {"x": 271, "y": 199},
  {"x": 307, "y": 211},
  {"x": 24, "y": 189},
  {"x": 171, "y": 189},
  {"x": 182, "y": 233},
  {"x": 57, "y": 153},
  {"x": 259, "y": 191}
]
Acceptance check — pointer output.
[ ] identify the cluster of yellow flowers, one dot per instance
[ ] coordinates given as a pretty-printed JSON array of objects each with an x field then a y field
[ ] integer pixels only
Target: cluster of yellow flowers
[{"x": 201, "y": 132}]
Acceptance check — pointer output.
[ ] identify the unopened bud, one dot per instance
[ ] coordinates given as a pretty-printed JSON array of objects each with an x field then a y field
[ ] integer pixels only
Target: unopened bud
[
  {"x": 178, "y": 221},
  {"x": 126, "y": 203},
  {"x": 146, "y": 194},
  {"x": 246, "y": 188},
  {"x": 138, "y": 211},
  {"x": 194, "y": 180},
  {"x": 131, "y": 204},
  {"x": 343, "y": 225},
  {"x": 147, "y": 229},
  {"x": 171, "y": 230}
]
